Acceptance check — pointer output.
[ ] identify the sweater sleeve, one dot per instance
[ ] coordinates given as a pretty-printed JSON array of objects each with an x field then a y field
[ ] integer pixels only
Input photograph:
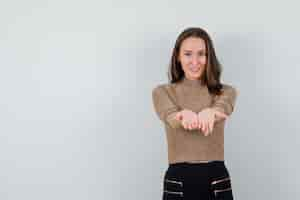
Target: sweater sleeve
[
  {"x": 164, "y": 107},
  {"x": 225, "y": 102}
]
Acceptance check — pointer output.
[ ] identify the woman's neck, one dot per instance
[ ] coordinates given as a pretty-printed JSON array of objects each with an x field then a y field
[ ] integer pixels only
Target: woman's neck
[{"x": 191, "y": 82}]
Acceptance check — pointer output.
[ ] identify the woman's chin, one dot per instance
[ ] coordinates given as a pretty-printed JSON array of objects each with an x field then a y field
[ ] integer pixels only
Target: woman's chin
[{"x": 195, "y": 75}]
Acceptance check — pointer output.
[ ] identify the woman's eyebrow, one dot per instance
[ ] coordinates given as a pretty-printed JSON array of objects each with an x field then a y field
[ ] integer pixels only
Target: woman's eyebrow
[{"x": 191, "y": 50}]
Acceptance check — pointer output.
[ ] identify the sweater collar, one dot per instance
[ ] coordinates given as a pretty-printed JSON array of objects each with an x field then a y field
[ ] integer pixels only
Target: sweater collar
[{"x": 192, "y": 83}]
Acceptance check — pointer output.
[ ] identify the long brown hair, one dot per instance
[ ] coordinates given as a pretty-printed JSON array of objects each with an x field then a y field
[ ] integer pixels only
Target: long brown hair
[{"x": 213, "y": 69}]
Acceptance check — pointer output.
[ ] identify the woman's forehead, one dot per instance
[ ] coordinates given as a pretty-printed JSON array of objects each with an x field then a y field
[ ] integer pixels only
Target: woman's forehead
[{"x": 193, "y": 44}]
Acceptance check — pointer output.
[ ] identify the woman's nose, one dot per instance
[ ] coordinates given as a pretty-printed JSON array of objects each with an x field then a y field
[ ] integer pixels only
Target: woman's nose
[{"x": 194, "y": 61}]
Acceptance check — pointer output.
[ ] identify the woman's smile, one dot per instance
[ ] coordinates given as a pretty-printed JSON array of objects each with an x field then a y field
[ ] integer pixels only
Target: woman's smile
[{"x": 195, "y": 69}]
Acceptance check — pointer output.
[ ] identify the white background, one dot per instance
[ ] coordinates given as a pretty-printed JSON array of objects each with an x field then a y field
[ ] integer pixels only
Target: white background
[{"x": 76, "y": 115}]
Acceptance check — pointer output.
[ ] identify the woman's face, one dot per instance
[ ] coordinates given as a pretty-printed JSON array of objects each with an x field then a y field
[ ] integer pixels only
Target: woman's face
[{"x": 192, "y": 56}]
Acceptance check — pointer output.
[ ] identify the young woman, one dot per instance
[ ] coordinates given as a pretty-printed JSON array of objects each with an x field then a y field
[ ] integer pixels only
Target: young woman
[{"x": 194, "y": 107}]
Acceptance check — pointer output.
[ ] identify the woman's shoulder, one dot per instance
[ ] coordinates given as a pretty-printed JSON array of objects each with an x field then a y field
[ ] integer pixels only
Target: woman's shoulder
[
  {"x": 229, "y": 88},
  {"x": 163, "y": 86}
]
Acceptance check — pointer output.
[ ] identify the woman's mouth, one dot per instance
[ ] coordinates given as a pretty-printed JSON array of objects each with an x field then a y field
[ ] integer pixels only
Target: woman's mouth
[{"x": 195, "y": 69}]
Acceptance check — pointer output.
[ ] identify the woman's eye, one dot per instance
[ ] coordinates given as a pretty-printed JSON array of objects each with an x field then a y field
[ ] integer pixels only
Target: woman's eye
[{"x": 187, "y": 54}]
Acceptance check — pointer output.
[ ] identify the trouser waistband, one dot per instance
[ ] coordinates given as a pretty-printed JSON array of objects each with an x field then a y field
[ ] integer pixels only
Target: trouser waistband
[{"x": 197, "y": 162}]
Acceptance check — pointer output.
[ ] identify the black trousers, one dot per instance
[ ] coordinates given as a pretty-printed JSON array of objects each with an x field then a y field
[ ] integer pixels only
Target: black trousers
[{"x": 197, "y": 181}]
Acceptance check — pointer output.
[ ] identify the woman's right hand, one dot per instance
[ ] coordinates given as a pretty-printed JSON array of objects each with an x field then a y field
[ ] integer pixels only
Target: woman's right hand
[{"x": 188, "y": 118}]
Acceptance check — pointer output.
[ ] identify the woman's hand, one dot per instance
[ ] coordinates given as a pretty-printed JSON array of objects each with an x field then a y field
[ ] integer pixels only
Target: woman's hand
[
  {"x": 206, "y": 119},
  {"x": 188, "y": 118}
]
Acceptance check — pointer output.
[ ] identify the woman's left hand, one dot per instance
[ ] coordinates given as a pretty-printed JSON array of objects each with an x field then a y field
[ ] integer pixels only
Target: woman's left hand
[{"x": 206, "y": 119}]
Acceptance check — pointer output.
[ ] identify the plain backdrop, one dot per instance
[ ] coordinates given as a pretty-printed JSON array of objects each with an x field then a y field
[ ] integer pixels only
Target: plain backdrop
[{"x": 76, "y": 114}]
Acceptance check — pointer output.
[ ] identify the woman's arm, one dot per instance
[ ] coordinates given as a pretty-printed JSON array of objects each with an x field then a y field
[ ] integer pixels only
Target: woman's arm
[
  {"x": 225, "y": 102},
  {"x": 222, "y": 107},
  {"x": 164, "y": 107}
]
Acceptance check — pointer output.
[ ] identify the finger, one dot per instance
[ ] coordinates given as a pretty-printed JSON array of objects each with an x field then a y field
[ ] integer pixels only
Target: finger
[
  {"x": 205, "y": 132},
  {"x": 192, "y": 125},
  {"x": 222, "y": 115},
  {"x": 195, "y": 124},
  {"x": 199, "y": 124},
  {"x": 201, "y": 131},
  {"x": 187, "y": 126},
  {"x": 178, "y": 116},
  {"x": 211, "y": 125},
  {"x": 207, "y": 128},
  {"x": 199, "y": 121},
  {"x": 203, "y": 127},
  {"x": 184, "y": 124}
]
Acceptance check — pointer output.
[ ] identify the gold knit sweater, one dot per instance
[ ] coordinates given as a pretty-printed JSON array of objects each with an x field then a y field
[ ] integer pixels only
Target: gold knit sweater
[{"x": 191, "y": 145}]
